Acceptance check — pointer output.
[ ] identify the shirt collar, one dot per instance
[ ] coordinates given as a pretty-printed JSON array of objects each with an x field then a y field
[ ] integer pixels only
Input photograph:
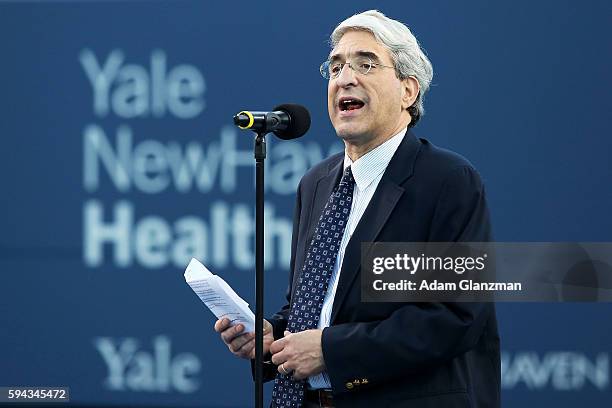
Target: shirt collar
[{"x": 369, "y": 166}]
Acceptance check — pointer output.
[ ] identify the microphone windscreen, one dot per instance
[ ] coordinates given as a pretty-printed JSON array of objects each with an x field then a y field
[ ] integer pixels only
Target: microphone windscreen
[{"x": 300, "y": 121}]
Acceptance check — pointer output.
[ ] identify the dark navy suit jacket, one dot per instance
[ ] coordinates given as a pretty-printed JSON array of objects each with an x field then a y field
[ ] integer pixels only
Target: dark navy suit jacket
[{"x": 420, "y": 355}]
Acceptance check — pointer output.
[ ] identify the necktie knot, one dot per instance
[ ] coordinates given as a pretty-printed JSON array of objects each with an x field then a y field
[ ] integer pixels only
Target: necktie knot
[{"x": 347, "y": 176}]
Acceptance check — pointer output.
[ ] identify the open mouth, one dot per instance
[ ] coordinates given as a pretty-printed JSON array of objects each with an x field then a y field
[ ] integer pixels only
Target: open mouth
[{"x": 350, "y": 103}]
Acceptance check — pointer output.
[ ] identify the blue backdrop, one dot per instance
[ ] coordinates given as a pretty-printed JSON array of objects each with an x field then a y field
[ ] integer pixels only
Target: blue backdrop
[{"x": 119, "y": 163}]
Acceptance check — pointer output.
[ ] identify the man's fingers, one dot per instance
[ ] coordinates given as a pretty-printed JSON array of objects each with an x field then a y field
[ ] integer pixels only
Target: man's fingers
[
  {"x": 285, "y": 368},
  {"x": 249, "y": 343},
  {"x": 237, "y": 343},
  {"x": 277, "y": 345},
  {"x": 221, "y": 324},
  {"x": 230, "y": 333},
  {"x": 280, "y": 357},
  {"x": 280, "y": 344},
  {"x": 246, "y": 349}
]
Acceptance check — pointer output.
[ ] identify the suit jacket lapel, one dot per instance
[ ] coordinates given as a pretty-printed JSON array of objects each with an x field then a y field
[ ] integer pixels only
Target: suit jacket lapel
[
  {"x": 325, "y": 187},
  {"x": 379, "y": 209},
  {"x": 323, "y": 190}
]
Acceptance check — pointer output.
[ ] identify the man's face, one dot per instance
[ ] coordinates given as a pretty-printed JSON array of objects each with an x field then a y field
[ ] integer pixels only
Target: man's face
[{"x": 379, "y": 111}]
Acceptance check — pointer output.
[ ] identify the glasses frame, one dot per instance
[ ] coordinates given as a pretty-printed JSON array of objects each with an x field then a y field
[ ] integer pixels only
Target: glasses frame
[{"x": 324, "y": 68}]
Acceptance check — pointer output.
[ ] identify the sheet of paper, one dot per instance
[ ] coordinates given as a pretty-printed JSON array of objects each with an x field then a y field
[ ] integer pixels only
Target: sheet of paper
[{"x": 218, "y": 296}]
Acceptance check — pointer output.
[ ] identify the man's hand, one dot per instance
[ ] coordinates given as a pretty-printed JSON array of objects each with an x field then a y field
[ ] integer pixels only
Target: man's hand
[
  {"x": 243, "y": 344},
  {"x": 299, "y": 353}
]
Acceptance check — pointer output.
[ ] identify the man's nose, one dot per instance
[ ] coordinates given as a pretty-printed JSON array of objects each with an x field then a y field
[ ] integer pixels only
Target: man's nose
[{"x": 347, "y": 76}]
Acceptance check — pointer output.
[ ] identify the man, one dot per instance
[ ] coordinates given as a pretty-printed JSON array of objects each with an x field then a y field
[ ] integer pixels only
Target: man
[{"x": 326, "y": 347}]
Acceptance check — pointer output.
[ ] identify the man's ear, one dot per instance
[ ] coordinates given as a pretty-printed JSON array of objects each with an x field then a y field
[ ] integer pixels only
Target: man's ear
[{"x": 410, "y": 91}]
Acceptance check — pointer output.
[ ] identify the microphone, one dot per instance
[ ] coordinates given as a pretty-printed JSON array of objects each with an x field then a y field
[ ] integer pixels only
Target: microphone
[{"x": 288, "y": 121}]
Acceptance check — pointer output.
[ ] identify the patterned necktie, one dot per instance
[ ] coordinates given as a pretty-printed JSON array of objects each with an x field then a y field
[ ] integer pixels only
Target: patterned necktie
[{"x": 314, "y": 279}]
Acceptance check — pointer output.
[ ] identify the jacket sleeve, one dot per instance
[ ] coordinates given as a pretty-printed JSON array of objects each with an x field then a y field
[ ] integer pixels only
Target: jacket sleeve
[
  {"x": 279, "y": 319},
  {"x": 418, "y": 336}
]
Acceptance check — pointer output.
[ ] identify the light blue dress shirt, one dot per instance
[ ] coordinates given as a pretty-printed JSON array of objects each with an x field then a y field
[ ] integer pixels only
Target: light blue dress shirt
[{"x": 367, "y": 172}]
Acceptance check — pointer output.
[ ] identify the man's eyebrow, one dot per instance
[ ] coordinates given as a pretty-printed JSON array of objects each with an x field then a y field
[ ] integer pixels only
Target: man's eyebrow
[
  {"x": 362, "y": 53},
  {"x": 371, "y": 55}
]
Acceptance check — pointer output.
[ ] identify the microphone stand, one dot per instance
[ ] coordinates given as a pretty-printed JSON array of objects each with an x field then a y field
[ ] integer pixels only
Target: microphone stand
[
  {"x": 292, "y": 121},
  {"x": 260, "y": 156}
]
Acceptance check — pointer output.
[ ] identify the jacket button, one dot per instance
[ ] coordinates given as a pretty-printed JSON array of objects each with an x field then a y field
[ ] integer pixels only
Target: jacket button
[{"x": 349, "y": 385}]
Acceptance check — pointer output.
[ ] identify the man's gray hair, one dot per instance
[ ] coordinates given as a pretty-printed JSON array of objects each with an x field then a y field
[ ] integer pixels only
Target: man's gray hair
[{"x": 408, "y": 57}]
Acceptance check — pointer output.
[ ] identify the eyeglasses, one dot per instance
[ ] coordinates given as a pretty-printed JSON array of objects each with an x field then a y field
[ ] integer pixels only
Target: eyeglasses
[{"x": 362, "y": 65}]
